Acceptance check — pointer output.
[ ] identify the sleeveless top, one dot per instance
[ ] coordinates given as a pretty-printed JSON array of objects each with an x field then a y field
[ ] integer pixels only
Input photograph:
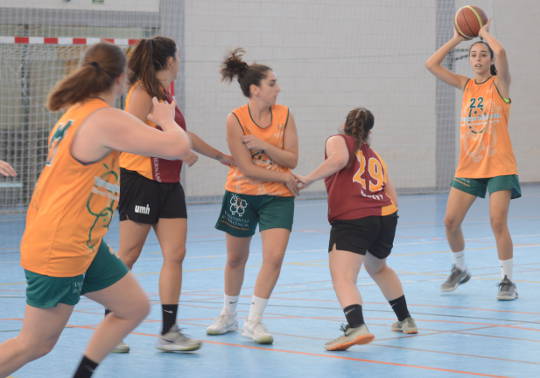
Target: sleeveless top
[
  {"x": 72, "y": 204},
  {"x": 485, "y": 146},
  {"x": 274, "y": 134},
  {"x": 358, "y": 190},
  {"x": 153, "y": 168}
]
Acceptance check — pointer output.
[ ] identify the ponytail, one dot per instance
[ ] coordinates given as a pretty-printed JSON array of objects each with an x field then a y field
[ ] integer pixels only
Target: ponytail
[
  {"x": 149, "y": 57},
  {"x": 101, "y": 65},
  {"x": 248, "y": 74},
  {"x": 358, "y": 124}
]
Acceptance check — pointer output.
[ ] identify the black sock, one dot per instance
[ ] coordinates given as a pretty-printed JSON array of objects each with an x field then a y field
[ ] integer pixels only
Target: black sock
[
  {"x": 354, "y": 315},
  {"x": 107, "y": 311},
  {"x": 400, "y": 307},
  {"x": 169, "y": 316},
  {"x": 86, "y": 368}
]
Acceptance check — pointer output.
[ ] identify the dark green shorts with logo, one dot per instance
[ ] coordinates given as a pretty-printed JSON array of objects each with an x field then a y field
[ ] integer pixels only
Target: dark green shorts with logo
[
  {"x": 47, "y": 292},
  {"x": 478, "y": 186},
  {"x": 240, "y": 213}
]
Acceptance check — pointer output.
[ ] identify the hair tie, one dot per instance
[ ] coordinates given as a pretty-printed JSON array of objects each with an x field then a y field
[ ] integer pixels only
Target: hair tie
[{"x": 95, "y": 65}]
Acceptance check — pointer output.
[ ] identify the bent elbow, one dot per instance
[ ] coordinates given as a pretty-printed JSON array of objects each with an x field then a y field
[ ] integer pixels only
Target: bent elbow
[
  {"x": 292, "y": 164},
  {"x": 499, "y": 52}
]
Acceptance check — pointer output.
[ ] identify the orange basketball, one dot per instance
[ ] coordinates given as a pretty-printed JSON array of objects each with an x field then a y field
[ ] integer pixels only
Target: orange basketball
[{"x": 468, "y": 21}]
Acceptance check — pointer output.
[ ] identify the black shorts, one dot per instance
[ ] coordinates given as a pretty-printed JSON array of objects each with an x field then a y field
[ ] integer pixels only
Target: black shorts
[
  {"x": 374, "y": 234},
  {"x": 145, "y": 201}
]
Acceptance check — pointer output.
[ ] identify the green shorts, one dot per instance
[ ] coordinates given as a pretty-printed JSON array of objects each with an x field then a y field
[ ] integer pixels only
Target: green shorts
[
  {"x": 240, "y": 213},
  {"x": 47, "y": 292},
  {"x": 478, "y": 186}
]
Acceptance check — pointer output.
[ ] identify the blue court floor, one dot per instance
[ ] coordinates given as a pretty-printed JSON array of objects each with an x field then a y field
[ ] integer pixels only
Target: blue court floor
[{"x": 464, "y": 333}]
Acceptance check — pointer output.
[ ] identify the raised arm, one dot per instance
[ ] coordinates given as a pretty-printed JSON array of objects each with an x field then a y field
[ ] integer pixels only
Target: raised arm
[
  {"x": 337, "y": 157},
  {"x": 434, "y": 63},
  {"x": 288, "y": 155},
  {"x": 242, "y": 158},
  {"x": 502, "y": 80}
]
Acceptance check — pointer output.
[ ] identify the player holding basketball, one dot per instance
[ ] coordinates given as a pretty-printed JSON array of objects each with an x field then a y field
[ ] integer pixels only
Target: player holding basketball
[
  {"x": 62, "y": 249},
  {"x": 151, "y": 195},
  {"x": 6, "y": 169},
  {"x": 260, "y": 190},
  {"x": 362, "y": 209},
  {"x": 486, "y": 161}
]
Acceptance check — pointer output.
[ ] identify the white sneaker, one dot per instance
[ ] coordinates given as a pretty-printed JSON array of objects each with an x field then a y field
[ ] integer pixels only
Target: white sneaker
[
  {"x": 256, "y": 331},
  {"x": 407, "y": 325},
  {"x": 176, "y": 341},
  {"x": 122, "y": 347},
  {"x": 224, "y": 323},
  {"x": 351, "y": 336}
]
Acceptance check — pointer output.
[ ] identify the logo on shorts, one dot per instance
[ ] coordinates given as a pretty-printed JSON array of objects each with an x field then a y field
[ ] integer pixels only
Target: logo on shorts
[
  {"x": 76, "y": 287},
  {"x": 238, "y": 205},
  {"x": 142, "y": 209}
]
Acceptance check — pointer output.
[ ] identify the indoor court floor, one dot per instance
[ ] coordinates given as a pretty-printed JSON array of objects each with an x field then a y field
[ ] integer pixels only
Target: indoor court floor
[{"x": 463, "y": 333}]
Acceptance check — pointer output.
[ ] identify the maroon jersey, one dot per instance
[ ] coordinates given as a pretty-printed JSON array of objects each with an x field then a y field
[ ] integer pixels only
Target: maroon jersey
[
  {"x": 357, "y": 191},
  {"x": 153, "y": 168},
  {"x": 164, "y": 170}
]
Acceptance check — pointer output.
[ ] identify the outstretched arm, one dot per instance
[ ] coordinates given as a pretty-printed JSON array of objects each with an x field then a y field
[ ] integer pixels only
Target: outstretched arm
[
  {"x": 6, "y": 169},
  {"x": 502, "y": 79},
  {"x": 207, "y": 150},
  {"x": 337, "y": 157},
  {"x": 434, "y": 63}
]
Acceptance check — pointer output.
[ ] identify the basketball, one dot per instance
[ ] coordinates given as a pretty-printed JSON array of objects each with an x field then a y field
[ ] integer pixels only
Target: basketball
[{"x": 468, "y": 21}]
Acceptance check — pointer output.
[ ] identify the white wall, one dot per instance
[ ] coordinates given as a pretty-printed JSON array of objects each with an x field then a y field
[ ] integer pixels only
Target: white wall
[
  {"x": 329, "y": 57},
  {"x": 108, "y": 5}
]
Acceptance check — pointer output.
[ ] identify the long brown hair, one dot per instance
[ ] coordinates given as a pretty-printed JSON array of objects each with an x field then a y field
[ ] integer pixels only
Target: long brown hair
[
  {"x": 248, "y": 74},
  {"x": 492, "y": 68},
  {"x": 101, "y": 65},
  {"x": 358, "y": 124},
  {"x": 149, "y": 57}
]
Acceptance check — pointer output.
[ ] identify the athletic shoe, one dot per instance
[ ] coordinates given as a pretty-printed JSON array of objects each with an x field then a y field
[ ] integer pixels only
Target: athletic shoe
[
  {"x": 175, "y": 340},
  {"x": 456, "y": 278},
  {"x": 224, "y": 323},
  {"x": 507, "y": 290},
  {"x": 256, "y": 331},
  {"x": 351, "y": 336},
  {"x": 407, "y": 325},
  {"x": 122, "y": 347}
]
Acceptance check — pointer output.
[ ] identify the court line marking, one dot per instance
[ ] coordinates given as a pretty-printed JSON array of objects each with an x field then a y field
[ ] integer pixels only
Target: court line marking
[{"x": 310, "y": 354}]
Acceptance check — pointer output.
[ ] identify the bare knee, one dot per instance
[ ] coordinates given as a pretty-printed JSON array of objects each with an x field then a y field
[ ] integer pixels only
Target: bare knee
[
  {"x": 175, "y": 257},
  {"x": 236, "y": 261},
  {"x": 451, "y": 223},
  {"x": 273, "y": 262},
  {"x": 340, "y": 280},
  {"x": 35, "y": 349},
  {"x": 130, "y": 254},
  {"x": 138, "y": 309},
  {"x": 498, "y": 225}
]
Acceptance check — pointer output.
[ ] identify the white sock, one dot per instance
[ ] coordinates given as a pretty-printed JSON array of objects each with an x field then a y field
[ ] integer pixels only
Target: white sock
[
  {"x": 229, "y": 304},
  {"x": 257, "y": 308},
  {"x": 506, "y": 268},
  {"x": 459, "y": 260}
]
